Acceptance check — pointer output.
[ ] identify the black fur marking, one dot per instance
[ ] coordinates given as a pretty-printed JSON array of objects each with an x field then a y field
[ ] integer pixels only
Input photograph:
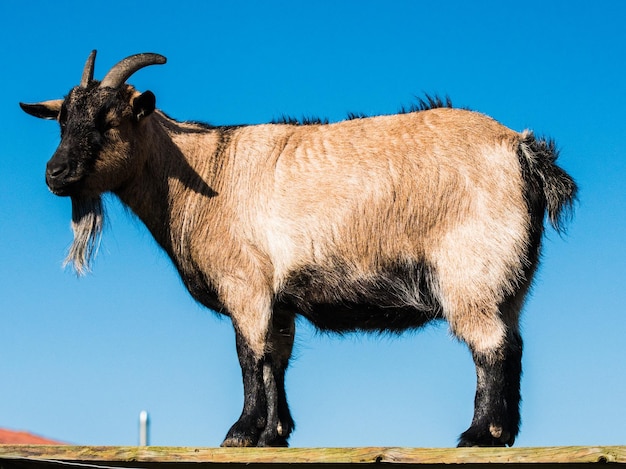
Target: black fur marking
[
  {"x": 290, "y": 120},
  {"x": 395, "y": 299},
  {"x": 427, "y": 103},
  {"x": 547, "y": 185},
  {"x": 356, "y": 115},
  {"x": 423, "y": 104},
  {"x": 536, "y": 205}
]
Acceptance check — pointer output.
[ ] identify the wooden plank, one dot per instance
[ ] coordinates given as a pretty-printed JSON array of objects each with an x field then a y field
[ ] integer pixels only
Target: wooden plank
[{"x": 153, "y": 455}]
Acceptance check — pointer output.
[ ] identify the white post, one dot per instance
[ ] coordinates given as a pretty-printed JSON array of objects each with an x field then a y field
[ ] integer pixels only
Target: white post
[{"x": 144, "y": 423}]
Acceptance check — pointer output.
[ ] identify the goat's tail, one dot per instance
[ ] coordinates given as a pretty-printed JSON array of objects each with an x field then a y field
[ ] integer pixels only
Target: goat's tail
[{"x": 549, "y": 185}]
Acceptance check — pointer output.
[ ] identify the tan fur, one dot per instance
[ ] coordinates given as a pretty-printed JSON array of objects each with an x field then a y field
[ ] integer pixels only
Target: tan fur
[{"x": 443, "y": 185}]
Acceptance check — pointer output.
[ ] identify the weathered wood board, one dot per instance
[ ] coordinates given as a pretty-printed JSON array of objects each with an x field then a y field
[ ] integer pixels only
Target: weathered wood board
[{"x": 31, "y": 457}]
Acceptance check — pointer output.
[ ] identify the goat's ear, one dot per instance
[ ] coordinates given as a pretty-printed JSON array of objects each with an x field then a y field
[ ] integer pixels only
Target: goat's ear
[
  {"x": 143, "y": 105},
  {"x": 43, "y": 110}
]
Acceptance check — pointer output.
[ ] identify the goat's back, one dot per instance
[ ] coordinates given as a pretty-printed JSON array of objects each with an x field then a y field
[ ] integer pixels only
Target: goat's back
[{"x": 384, "y": 188}]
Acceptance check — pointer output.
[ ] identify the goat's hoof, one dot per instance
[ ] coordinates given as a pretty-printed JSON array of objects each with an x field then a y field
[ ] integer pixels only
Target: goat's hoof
[
  {"x": 493, "y": 435},
  {"x": 241, "y": 435},
  {"x": 237, "y": 442},
  {"x": 273, "y": 439}
]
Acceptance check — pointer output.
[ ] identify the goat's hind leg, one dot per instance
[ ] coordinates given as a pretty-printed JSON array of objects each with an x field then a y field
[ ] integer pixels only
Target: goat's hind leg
[
  {"x": 488, "y": 324},
  {"x": 496, "y": 346},
  {"x": 496, "y": 405}
]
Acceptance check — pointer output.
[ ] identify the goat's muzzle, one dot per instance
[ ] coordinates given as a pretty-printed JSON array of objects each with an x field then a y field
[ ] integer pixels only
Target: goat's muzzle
[{"x": 60, "y": 178}]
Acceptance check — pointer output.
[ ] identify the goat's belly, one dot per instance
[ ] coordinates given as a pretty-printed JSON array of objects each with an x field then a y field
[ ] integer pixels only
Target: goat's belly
[
  {"x": 336, "y": 299},
  {"x": 366, "y": 318}
]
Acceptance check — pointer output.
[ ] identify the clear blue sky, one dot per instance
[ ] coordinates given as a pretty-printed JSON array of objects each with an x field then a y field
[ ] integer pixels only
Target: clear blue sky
[{"x": 80, "y": 358}]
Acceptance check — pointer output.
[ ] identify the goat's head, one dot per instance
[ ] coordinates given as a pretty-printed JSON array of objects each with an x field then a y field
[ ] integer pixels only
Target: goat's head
[{"x": 98, "y": 121}]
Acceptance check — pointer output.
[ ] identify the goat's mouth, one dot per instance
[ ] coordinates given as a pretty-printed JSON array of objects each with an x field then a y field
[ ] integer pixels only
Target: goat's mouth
[{"x": 65, "y": 187}]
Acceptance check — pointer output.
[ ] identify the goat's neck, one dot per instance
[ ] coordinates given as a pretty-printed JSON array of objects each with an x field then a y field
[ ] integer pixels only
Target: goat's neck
[{"x": 173, "y": 182}]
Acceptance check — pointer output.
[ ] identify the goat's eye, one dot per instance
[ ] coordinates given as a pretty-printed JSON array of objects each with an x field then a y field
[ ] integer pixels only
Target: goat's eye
[{"x": 107, "y": 128}]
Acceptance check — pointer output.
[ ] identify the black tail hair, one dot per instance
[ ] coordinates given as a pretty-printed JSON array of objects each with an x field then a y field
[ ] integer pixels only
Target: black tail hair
[{"x": 557, "y": 189}]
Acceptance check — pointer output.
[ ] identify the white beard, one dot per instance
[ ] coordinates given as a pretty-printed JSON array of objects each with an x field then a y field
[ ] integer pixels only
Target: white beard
[{"x": 87, "y": 224}]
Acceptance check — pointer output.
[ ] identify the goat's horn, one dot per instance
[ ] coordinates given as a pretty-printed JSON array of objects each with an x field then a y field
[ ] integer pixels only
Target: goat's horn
[
  {"x": 125, "y": 68},
  {"x": 88, "y": 70}
]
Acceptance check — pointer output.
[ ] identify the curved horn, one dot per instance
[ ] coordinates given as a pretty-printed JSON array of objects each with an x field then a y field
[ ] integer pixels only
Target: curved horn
[
  {"x": 88, "y": 70},
  {"x": 125, "y": 68}
]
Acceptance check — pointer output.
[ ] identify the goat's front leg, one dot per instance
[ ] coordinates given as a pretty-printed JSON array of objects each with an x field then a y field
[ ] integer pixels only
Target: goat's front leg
[
  {"x": 279, "y": 426},
  {"x": 262, "y": 422},
  {"x": 252, "y": 318},
  {"x": 253, "y": 419}
]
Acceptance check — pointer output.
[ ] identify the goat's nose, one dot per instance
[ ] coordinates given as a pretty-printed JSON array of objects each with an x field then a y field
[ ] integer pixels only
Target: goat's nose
[{"x": 56, "y": 170}]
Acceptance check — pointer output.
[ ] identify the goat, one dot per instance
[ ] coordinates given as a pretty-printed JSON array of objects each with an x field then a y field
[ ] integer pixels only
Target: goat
[{"x": 376, "y": 224}]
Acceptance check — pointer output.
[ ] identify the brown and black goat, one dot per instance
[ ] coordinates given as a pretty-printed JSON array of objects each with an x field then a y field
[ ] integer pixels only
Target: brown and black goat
[{"x": 372, "y": 224}]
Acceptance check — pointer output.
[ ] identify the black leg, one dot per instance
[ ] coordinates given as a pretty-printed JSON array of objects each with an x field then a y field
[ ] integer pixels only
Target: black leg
[
  {"x": 280, "y": 423},
  {"x": 285, "y": 422},
  {"x": 269, "y": 435},
  {"x": 265, "y": 419},
  {"x": 496, "y": 406},
  {"x": 253, "y": 419},
  {"x": 285, "y": 331}
]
